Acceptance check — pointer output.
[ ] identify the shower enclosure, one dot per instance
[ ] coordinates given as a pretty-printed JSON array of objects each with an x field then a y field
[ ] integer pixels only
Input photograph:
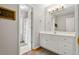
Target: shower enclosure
[{"x": 24, "y": 29}]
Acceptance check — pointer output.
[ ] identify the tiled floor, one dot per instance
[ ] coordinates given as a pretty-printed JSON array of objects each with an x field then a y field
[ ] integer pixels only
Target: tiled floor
[{"x": 40, "y": 51}]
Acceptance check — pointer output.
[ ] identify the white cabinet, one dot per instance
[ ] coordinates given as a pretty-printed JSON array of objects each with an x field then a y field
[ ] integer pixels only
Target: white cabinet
[
  {"x": 42, "y": 40},
  {"x": 52, "y": 43},
  {"x": 57, "y": 43},
  {"x": 66, "y": 45},
  {"x": 47, "y": 42}
]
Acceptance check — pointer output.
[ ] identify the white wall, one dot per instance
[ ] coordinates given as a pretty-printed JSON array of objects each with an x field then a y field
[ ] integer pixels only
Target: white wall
[
  {"x": 77, "y": 27},
  {"x": 38, "y": 16},
  {"x": 8, "y": 34},
  {"x": 48, "y": 21}
]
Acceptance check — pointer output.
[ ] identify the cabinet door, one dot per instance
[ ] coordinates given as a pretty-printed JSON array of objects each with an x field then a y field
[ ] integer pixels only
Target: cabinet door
[
  {"x": 49, "y": 42},
  {"x": 60, "y": 45},
  {"x": 52, "y": 44},
  {"x": 43, "y": 40}
]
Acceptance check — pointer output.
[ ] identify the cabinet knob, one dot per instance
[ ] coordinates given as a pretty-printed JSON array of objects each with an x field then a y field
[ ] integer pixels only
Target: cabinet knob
[{"x": 64, "y": 39}]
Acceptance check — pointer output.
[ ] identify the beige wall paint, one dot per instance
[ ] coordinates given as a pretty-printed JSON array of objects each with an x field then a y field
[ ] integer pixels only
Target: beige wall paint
[{"x": 8, "y": 33}]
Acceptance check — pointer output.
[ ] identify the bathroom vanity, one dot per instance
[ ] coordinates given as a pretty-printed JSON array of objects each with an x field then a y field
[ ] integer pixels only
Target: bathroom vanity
[
  {"x": 60, "y": 43},
  {"x": 61, "y": 38}
]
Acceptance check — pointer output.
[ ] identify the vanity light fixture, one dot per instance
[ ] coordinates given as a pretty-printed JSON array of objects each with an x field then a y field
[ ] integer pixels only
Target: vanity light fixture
[
  {"x": 57, "y": 8},
  {"x": 49, "y": 11}
]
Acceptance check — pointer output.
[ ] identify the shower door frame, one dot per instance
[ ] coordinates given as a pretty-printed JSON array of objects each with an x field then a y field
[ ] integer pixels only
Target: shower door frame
[{"x": 18, "y": 44}]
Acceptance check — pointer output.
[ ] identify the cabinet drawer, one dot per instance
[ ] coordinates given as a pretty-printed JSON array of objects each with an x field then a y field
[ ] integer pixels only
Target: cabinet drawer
[
  {"x": 65, "y": 46},
  {"x": 68, "y": 41},
  {"x": 64, "y": 51},
  {"x": 69, "y": 46},
  {"x": 68, "y": 52}
]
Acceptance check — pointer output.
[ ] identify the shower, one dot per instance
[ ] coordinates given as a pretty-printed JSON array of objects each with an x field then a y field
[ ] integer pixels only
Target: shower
[{"x": 24, "y": 28}]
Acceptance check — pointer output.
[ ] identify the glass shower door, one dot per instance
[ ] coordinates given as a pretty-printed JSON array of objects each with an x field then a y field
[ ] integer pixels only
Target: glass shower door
[{"x": 25, "y": 28}]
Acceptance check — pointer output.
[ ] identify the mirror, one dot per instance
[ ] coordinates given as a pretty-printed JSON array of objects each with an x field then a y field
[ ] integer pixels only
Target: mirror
[{"x": 65, "y": 23}]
